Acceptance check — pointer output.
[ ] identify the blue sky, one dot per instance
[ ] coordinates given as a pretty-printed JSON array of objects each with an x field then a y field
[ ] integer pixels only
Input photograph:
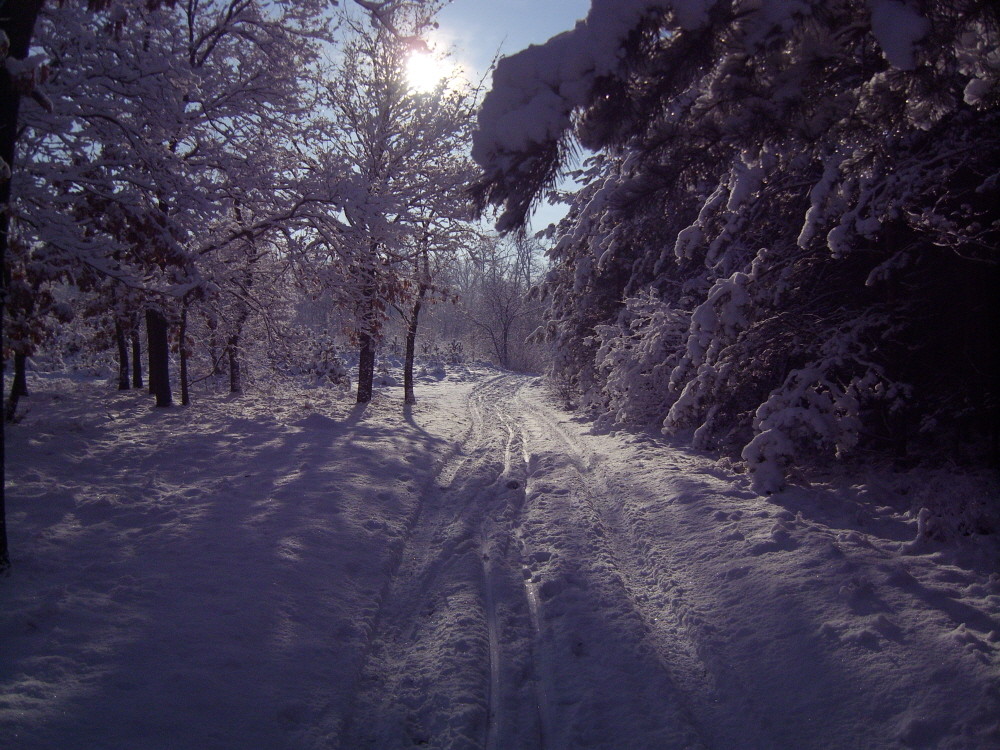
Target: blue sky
[{"x": 476, "y": 28}]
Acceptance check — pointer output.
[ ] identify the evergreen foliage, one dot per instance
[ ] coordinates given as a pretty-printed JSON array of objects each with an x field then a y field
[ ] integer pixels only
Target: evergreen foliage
[{"x": 785, "y": 243}]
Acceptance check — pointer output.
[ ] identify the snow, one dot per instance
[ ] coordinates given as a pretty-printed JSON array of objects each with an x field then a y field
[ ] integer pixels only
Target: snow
[
  {"x": 818, "y": 196},
  {"x": 898, "y": 27},
  {"x": 289, "y": 570},
  {"x": 535, "y": 90},
  {"x": 691, "y": 238},
  {"x": 976, "y": 90}
]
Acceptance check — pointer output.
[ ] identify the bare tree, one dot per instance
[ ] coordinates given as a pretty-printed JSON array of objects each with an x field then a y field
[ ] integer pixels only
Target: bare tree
[{"x": 499, "y": 303}]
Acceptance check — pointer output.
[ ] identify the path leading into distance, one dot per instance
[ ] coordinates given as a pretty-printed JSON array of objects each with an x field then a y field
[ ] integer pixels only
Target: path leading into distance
[{"x": 518, "y": 616}]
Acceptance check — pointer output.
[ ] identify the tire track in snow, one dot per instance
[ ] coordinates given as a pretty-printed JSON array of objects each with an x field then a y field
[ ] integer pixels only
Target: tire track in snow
[
  {"x": 599, "y": 571},
  {"x": 444, "y": 471},
  {"x": 475, "y": 641},
  {"x": 518, "y": 707},
  {"x": 494, "y": 723},
  {"x": 434, "y": 672},
  {"x": 676, "y": 625}
]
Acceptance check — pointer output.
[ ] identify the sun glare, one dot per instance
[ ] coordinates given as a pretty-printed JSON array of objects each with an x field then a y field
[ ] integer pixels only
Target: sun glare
[{"x": 423, "y": 72}]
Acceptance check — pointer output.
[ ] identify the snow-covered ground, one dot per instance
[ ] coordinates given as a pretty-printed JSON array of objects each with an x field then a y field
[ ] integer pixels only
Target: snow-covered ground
[{"x": 288, "y": 570}]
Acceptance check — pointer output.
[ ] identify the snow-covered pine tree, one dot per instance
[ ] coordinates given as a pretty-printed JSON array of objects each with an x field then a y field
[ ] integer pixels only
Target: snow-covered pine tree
[{"x": 802, "y": 196}]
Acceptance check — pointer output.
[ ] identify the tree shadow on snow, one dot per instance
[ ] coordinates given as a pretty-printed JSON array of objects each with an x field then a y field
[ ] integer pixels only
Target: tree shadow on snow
[{"x": 227, "y": 580}]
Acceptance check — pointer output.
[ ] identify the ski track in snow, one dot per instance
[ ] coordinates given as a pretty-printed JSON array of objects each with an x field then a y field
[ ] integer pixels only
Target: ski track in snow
[
  {"x": 448, "y": 603},
  {"x": 480, "y": 571},
  {"x": 468, "y": 594}
]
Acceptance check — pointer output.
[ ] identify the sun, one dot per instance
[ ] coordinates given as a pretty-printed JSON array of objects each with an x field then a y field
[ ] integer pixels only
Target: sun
[{"x": 424, "y": 72}]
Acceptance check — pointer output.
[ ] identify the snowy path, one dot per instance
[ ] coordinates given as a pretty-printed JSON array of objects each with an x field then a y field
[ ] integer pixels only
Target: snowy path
[
  {"x": 472, "y": 648},
  {"x": 481, "y": 571},
  {"x": 433, "y": 666}
]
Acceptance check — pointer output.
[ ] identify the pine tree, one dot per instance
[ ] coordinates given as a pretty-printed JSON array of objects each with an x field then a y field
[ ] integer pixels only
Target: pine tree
[{"x": 781, "y": 196}]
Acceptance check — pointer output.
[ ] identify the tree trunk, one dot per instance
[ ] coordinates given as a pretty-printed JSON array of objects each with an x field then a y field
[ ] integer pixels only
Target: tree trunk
[
  {"x": 153, "y": 372},
  {"x": 17, "y": 21},
  {"x": 136, "y": 358},
  {"x": 504, "y": 347},
  {"x": 366, "y": 368},
  {"x": 368, "y": 336},
  {"x": 123, "y": 383},
  {"x": 235, "y": 376},
  {"x": 157, "y": 341},
  {"x": 213, "y": 351},
  {"x": 409, "y": 397},
  {"x": 19, "y": 386},
  {"x": 185, "y": 390}
]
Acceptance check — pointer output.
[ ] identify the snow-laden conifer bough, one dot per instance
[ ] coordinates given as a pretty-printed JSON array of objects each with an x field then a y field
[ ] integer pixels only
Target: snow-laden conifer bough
[{"x": 783, "y": 242}]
